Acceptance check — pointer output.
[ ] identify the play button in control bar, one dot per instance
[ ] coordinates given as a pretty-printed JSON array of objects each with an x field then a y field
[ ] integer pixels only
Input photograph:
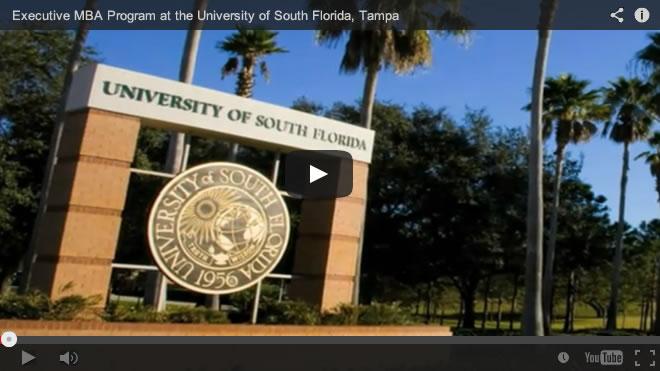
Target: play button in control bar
[{"x": 26, "y": 358}]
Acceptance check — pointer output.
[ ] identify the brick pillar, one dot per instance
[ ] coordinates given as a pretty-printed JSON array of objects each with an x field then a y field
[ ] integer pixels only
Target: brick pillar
[
  {"x": 327, "y": 246},
  {"x": 77, "y": 239}
]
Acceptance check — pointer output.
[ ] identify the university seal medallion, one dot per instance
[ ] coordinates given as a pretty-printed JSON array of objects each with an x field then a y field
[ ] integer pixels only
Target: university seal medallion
[{"x": 218, "y": 228}]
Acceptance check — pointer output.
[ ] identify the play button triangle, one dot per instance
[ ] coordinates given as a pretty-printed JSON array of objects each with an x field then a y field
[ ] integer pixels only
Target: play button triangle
[
  {"x": 26, "y": 357},
  {"x": 315, "y": 174}
]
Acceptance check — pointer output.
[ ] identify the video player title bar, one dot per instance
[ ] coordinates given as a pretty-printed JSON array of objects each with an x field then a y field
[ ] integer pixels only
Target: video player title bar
[{"x": 448, "y": 15}]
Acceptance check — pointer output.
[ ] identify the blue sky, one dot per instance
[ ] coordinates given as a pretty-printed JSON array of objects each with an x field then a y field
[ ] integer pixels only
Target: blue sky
[{"x": 492, "y": 71}]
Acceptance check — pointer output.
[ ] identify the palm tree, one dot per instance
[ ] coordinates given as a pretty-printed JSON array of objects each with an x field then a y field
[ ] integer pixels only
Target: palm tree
[
  {"x": 371, "y": 51},
  {"x": 570, "y": 113},
  {"x": 652, "y": 158},
  {"x": 631, "y": 120},
  {"x": 247, "y": 48},
  {"x": 532, "y": 318},
  {"x": 402, "y": 50},
  {"x": 650, "y": 56}
]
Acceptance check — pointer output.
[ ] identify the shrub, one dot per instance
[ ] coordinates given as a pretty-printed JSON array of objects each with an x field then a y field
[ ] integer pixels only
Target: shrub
[
  {"x": 288, "y": 312},
  {"x": 344, "y": 314},
  {"x": 36, "y": 305},
  {"x": 70, "y": 307},
  {"x": 33, "y": 305},
  {"x": 384, "y": 314},
  {"x": 242, "y": 302},
  {"x": 132, "y": 313},
  {"x": 374, "y": 314},
  {"x": 141, "y": 313},
  {"x": 196, "y": 315}
]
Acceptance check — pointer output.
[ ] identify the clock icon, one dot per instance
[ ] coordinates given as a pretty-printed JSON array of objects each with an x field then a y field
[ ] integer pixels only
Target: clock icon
[{"x": 563, "y": 357}]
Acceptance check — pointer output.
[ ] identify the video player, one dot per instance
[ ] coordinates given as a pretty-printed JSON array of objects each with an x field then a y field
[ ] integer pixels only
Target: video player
[{"x": 337, "y": 184}]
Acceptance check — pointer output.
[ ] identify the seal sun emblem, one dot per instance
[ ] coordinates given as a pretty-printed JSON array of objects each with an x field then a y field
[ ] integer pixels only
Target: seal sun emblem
[{"x": 218, "y": 228}]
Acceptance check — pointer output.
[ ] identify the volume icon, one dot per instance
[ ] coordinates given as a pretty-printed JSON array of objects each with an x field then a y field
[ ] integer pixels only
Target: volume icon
[{"x": 69, "y": 358}]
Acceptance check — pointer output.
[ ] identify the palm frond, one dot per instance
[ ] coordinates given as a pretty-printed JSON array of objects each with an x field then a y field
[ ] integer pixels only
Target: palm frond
[
  {"x": 630, "y": 102},
  {"x": 230, "y": 67},
  {"x": 263, "y": 67},
  {"x": 571, "y": 110}
]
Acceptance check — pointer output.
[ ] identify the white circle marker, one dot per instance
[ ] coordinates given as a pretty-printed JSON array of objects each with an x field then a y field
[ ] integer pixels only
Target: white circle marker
[{"x": 9, "y": 339}]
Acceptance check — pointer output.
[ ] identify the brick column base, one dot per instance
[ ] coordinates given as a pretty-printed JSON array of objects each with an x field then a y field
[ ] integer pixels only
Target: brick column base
[
  {"x": 77, "y": 238},
  {"x": 327, "y": 246}
]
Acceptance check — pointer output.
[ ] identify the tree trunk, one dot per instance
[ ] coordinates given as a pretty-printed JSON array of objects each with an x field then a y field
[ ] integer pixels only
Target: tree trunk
[
  {"x": 568, "y": 303},
  {"x": 484, "y": 318},
  {"x": 429, "y": 299},
  {"x": 56, "y": 138},
  {"x": 651, "y": 313},
  {"x": 461, "y": 311},
  {"x": 366, "y": 114},
  {"x": 597, "y": 307},
  {"x": 549, "y": 263},
  {"x": 575, "y": 300},
  {"x": 469, "y": 316},
  {"x": 656, "y": 330},
  {"x": 245, "y": 81},
  {"x": 369, "y": 96},
  {"x": 570, "y": 300},
  {"x": 442, "y": 314},
  {"x": 647, "y": 313},
  {"x": 532, "y": 319},
  {"x": 177, "y": 144},
  {"x": 618, "y": 252},
  {"x": 244, "y": 88},
  {"x": 499, "y": 310},
  {"x": 657, "y": 186},
  {"x": 514, "y": 298},
  {"x": 642, "y": 317},
  {"x": 652, "y": 303}
]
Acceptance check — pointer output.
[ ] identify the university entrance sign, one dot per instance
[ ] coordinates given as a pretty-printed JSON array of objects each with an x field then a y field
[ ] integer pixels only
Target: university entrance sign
[
  {"x": 183, "y": 107},
  {"x": 218, "y": 228}
]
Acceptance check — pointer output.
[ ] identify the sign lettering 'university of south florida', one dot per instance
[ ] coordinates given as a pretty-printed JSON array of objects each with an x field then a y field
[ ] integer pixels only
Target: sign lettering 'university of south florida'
[
  {"x": 176, "y": 106},
  {"x": 218, "y": 228}
]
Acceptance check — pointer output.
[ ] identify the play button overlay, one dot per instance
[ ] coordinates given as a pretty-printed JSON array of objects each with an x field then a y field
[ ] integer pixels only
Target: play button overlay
[
  {"x": 318, "y": 174},
  {"x": 315, "y": 174}
]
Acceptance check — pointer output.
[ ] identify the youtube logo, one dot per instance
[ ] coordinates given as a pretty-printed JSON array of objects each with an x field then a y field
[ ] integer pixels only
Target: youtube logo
[{"x": 318, "y": 174}]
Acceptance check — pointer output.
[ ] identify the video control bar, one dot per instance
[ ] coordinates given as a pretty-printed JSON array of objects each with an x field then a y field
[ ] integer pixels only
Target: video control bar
[{"x": 291, "y": 357}]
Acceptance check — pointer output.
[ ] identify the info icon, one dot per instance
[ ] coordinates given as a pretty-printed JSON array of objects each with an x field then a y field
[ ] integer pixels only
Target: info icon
[{"x": 318, "y": 174}]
